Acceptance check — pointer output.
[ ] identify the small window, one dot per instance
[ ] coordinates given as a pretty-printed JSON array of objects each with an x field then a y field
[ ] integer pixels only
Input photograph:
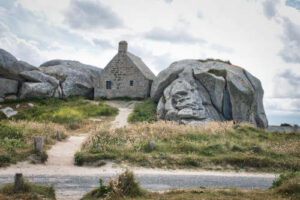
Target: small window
[
  {"x": 108, "y": 85},
  {"x": 131, "y": 83}
]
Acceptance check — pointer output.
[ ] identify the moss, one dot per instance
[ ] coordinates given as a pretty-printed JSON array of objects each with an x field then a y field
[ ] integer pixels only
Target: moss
[
  {"x": 215, "y": 60},
  {"x": 218, "y": 72}
]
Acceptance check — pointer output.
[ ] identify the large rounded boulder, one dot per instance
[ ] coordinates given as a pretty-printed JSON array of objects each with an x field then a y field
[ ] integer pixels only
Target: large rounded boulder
[
  {"x": 75, "y": 78},
  {"x": 194, "y": 91}
]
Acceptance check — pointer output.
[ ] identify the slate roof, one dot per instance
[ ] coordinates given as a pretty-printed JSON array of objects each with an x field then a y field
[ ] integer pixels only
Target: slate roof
[{"x": 141, "y": 66}]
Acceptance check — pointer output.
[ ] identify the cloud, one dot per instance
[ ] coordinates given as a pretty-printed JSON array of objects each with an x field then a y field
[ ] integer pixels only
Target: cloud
[
  {"x": 91, "y": 14},
  {"x": 168, "y": 1},
  {"x": 173, "y": 36},
  {"x": 199, "y": 15},
  {"x": 102, "y": 43},
  {"x": 22, "y": 49},
  {"x": 291, "y": 40},
  {"x": 293, "y": 3},
  {"x": 269, "y": 8},
  {"x": 287, "y": 85},
  {"x": 7, "y": 4},
  {"x": 221, "y": 48}
]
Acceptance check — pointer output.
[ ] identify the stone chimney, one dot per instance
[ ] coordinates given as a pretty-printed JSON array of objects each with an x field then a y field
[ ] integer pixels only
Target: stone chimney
[{"x": 123, "y": 47}]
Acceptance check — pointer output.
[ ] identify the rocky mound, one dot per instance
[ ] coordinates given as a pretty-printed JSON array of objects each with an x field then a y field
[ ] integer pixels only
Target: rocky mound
[
  {"x": 55, "y": 78},
  {"x": 193, "y": 91}
]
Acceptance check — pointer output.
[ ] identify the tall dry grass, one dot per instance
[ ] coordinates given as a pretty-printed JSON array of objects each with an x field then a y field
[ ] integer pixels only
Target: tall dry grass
[{"x": 215, "y": 144}]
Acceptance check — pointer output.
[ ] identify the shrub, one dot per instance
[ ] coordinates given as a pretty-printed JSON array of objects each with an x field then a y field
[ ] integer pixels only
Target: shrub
[
  {"x": 286, "y": 124},
  {"x": 78, "y": 158},
  {"x": 124, "y": 186},
  {"x": 4, "y": 159},
  {"x": 145, "y": 111}
]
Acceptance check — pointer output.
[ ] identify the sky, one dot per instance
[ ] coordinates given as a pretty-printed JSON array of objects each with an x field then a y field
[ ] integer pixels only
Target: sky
[{"x": 262, "y": 36}]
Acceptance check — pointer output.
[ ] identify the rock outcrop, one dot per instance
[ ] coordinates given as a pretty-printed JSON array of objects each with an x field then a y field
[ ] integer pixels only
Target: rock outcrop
[
  {"x": 11, "y": 68},
  {"x": 55, "y": 78},
  {"x": 75, "y": 78},
  {"x": 191, "y": 91}
]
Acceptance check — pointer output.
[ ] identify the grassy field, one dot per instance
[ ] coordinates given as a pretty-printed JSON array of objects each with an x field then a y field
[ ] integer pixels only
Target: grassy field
[
  {"x": 215, "y": 146},
  {"x": 45, "y": 118},
  {"x": 30, "y": 192},
  {"x": 72, "y": 111},
  {"x": 126, "y": 187},
  {"x": 16, "y": 139},
  {"x": 145, "y": 111}
]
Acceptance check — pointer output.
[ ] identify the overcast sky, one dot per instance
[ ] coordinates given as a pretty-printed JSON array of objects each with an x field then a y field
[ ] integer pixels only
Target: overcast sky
[{"x": 262, "y": 36}]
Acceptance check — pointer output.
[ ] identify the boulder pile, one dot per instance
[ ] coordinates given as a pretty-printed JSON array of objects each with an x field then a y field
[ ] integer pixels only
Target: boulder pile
[{"x": 55, "y": 78}]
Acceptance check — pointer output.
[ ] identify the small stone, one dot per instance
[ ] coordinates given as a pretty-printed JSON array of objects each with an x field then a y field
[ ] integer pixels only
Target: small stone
[
  {"x": 11, "y": 97},
  {"x": 18, "y": 106},
  {"x": 31, "y": 105},
  {"x": 9, "y": 112},
  {"x": 152, "y": 145}
]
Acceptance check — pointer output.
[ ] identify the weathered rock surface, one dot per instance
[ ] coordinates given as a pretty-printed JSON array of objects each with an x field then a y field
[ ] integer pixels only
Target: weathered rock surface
[
  {"x": 8, "y": 87},
  {"x": 38, "y": 76},
  {"x": 191, "y": 91},
  {"x": 75, "y": 78},
  {"x": 9, "y": 112},
  {"x": 32, "y": 90},
  {"x": 10, "y": 67}
]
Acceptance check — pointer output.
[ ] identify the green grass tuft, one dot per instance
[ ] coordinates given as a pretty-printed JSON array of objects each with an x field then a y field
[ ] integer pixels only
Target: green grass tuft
[
  {"x": 145, "y": 111},
  {"x": 30, "y": 191},
  {"x": 71, "y": 111}
]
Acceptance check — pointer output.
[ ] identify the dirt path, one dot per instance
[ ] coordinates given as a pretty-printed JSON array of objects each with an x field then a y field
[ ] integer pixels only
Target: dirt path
[
  {"x": 62, "y": 153},
  {"x": 125, "y": 108}
]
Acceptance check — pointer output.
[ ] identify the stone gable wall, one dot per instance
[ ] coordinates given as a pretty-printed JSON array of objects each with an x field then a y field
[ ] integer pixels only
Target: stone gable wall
[{"x": 120, "y": 71}]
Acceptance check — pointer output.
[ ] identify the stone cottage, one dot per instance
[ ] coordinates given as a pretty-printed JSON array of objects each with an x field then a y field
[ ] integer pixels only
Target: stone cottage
[{"x": 126, "y": 75}]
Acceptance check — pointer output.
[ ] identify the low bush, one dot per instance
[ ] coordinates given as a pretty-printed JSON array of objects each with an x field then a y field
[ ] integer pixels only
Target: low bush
[
  {"x": 145, "y": 111},
  {"x": 124, "y": 186}
]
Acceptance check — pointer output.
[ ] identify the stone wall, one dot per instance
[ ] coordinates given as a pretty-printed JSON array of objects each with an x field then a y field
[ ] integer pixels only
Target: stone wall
[{"x": 120, "y": 71}]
